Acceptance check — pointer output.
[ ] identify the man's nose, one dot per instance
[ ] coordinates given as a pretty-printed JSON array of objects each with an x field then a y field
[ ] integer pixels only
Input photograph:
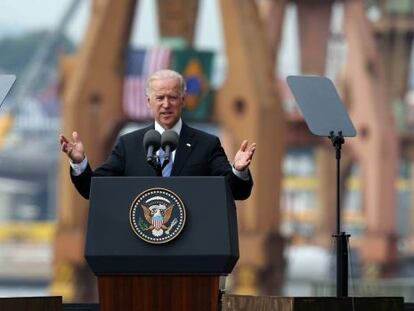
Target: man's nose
[{"x": 166, "y": 102}]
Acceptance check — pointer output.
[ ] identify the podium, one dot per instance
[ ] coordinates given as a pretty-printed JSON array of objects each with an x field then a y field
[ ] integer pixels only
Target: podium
[{"x": 140, "y": 265}]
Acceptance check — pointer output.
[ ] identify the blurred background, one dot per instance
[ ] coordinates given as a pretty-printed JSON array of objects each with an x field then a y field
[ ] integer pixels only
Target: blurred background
[{"x": 82, "y": 64}]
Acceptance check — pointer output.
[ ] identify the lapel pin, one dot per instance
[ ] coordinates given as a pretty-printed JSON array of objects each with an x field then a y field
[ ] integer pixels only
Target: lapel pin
[{"x": 188, "y": 145}]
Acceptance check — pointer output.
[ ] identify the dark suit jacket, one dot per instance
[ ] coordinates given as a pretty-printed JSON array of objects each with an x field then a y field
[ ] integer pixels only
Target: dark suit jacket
[{"x": 198, "y": 154}]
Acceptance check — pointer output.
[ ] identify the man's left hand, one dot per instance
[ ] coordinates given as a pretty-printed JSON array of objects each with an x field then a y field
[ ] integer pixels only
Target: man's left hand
[{"x": 244, "y": 156}]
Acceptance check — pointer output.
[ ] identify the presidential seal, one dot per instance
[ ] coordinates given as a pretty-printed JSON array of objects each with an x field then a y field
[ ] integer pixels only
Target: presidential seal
[{"x": 157, "y": 215}]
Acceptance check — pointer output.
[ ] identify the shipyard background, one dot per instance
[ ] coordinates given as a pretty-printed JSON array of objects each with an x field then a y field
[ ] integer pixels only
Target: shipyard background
[{"x": 32, "y": 38}]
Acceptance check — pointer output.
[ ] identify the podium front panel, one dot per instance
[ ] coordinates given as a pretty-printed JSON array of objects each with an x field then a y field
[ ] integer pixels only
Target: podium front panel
[{"x": 208, "y": 243}]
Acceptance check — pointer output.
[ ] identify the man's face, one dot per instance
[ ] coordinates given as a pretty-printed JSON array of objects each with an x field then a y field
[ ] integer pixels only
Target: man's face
[{"x": 165, "y": 101}]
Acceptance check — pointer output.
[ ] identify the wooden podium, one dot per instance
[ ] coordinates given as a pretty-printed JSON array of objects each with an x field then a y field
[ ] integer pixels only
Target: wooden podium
[
  {"x": 185, "y": 293},
  {"x": 52, "y": 303},
  {"x": 268, "y": 303},
  {"x": 182, "y": 274}
]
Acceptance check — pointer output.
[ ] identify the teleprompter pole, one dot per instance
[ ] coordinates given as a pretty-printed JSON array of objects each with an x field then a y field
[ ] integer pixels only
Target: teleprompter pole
[{"x": 341, "y": 237}]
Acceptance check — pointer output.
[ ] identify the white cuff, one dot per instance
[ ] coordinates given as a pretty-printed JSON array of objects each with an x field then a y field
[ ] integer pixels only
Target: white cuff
[
  {"x": 243, "y": 175},
  {"x": 78, "y": 168}
]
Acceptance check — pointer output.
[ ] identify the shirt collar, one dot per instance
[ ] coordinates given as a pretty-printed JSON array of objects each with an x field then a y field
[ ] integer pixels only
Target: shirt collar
[{"x": 176, "y": 128}]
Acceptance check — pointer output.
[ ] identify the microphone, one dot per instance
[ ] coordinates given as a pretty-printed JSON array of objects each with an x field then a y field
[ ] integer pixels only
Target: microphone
[
  {"x": 169, "y": 142},
  {"x": 152, "y": 142}
]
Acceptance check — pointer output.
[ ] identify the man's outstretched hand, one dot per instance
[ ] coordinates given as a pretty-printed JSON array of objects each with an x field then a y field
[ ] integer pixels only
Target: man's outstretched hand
[
  {"x": 74, "y": 149},
  {"x": 244, "y": 156}
]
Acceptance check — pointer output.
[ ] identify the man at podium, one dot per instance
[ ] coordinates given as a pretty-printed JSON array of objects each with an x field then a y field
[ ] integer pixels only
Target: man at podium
[{"x": 197, "y": 154}]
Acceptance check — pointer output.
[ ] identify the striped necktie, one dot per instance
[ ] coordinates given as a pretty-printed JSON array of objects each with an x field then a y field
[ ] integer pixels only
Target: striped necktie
[{"x": 166, "y": 171}]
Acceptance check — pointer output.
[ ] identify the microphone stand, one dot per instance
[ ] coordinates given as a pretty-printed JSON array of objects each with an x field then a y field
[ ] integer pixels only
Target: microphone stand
[
  {"x": 158, "y": 169},
  {"x": 156, "y": 164},
  {"x": 341, "y": 237},
  {"x": 155, "y": 160}
]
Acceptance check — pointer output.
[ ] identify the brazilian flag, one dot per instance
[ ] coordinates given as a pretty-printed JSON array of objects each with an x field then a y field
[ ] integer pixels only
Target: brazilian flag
[{"x": 196, "y": 68}]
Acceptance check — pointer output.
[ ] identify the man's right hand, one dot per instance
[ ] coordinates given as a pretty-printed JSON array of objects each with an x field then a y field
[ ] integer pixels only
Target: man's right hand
[{"x": 74, "y": 149}]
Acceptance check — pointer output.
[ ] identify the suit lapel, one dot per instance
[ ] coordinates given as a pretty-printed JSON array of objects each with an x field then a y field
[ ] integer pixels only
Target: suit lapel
[{"x": 186, "y": 144}]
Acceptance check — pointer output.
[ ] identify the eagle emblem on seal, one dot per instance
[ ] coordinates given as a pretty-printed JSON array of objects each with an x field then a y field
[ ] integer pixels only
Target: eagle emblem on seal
[{"x": 157, "y": 215}]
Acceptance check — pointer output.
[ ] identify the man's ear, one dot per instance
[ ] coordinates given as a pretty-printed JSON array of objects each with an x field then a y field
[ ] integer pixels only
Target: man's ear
[
  {"x": 148, "y": 102},
  {"x": 183, "y": 100}
]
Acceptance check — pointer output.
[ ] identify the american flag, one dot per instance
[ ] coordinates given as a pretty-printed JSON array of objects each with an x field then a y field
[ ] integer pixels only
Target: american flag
[{"x": 140, "y": 64}]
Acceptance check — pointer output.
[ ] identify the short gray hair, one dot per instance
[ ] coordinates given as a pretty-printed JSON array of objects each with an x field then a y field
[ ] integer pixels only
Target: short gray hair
[{"x": 166, "y": 74}]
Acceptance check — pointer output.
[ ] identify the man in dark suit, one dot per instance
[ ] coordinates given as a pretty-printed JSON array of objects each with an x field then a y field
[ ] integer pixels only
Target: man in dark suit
[{"x": 197, "y": 154}]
